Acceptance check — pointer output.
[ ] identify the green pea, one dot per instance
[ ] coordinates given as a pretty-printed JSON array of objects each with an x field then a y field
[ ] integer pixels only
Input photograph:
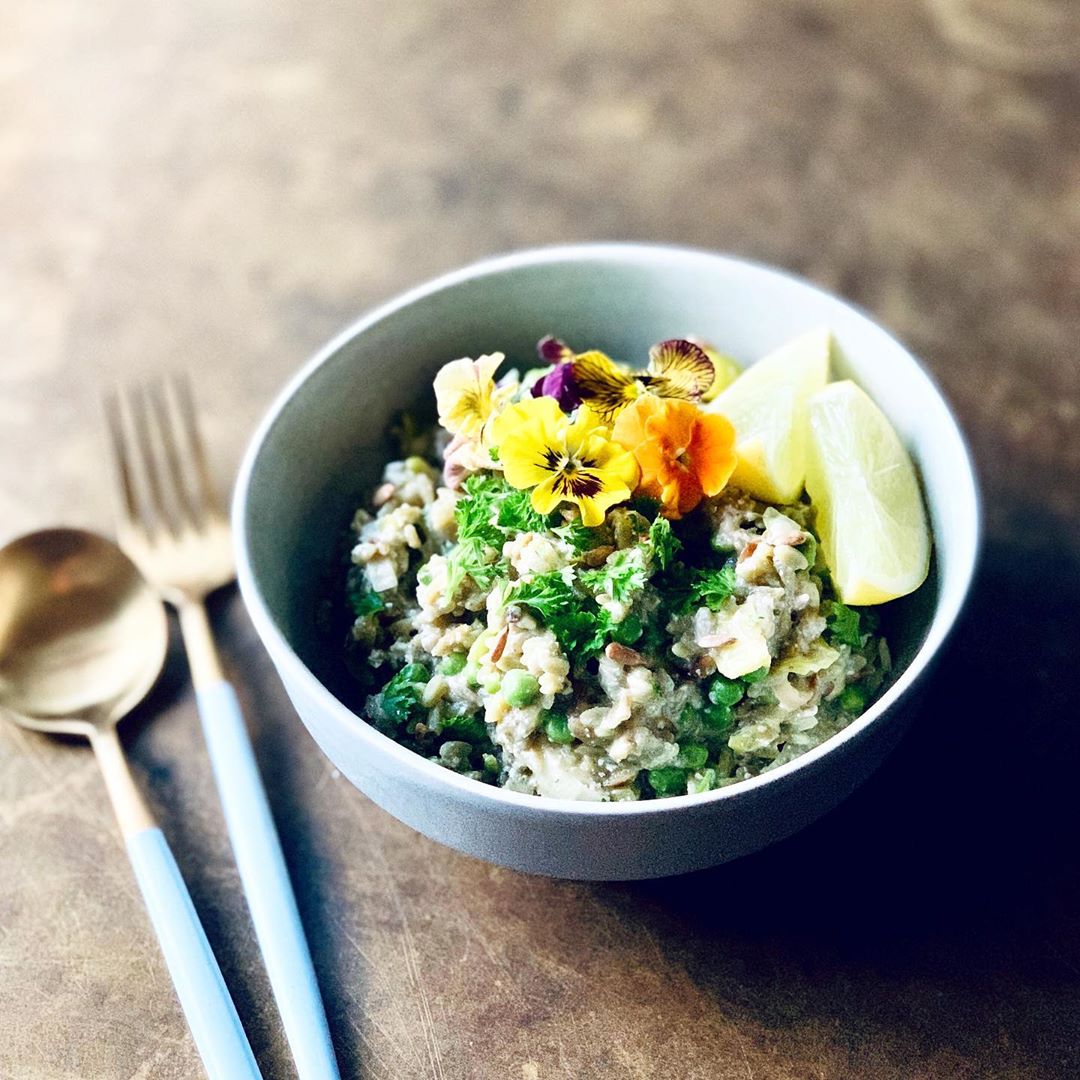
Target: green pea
[
  {"x": 724, "y": 691},
  {"x": 628, "y": 631},
  {"x": 853, "y": 699},
  {"x": 717, "y": 717},
  {"x": 668, "y": 781},
  {"x": 692, "y": 756},
  {"x": 417, "y": 464},
  {"x": 452, "y": 664},
  {"x": 520, "y": 688},
  {"x": 493, "y": 684},
  {"x": 491, "y": 764},
  {"x": 756, "y": 676},
  {"x": 557, "y": 728}
]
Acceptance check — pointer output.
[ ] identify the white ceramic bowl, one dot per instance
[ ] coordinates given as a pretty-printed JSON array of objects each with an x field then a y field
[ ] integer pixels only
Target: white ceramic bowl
[{"x": 321, "y": 447}]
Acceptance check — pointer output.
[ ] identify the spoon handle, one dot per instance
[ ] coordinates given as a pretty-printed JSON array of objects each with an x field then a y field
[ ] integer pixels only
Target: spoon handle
[
  {"x": 209, "y": 1009},
  {"x": 205, "y": 999}
]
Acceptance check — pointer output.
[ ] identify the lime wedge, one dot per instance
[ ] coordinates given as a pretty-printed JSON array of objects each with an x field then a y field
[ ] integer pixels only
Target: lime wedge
[
  {"x": 869, "y": 510},
  {"x": 727, "y": 371},
  {"x": 766, "y": 405}
]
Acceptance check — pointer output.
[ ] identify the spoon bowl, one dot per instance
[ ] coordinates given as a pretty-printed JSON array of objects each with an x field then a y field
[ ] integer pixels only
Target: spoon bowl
[{"x": 83, "y": 637}]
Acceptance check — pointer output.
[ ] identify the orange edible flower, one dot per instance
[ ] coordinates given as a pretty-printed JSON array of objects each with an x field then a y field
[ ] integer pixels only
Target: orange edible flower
[{"x": 684, "y": 453}]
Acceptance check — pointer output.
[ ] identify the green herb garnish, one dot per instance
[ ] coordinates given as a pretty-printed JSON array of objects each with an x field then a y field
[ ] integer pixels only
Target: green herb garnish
[
  {"x": 361, "y": 597},
  {"x": 688, "y": 589},
  {"x": 622, "y": 576},
  {"x": 478, "y": 534},
  {"x": 516, "y": 513},
  {"x": 663, "y": 543},
  {"x": 842, "y": 624},
  {"x": 580, "y": 537},
  {"x": 400, "y": 697},
  {"x": 573, "y": 619}
]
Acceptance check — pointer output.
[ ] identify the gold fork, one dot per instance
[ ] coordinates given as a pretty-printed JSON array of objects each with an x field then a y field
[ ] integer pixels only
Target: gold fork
[{"x": 172, "y": 525}]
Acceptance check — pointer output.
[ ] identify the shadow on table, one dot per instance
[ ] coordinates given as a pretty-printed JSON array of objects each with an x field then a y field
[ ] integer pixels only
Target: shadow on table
[
  {"x": 941, "y": 889},
  {"x": 957, "y": 862}
]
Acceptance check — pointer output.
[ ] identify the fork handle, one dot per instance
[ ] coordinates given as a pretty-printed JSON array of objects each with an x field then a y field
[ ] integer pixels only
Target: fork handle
[{"x": 265, "y": 879}]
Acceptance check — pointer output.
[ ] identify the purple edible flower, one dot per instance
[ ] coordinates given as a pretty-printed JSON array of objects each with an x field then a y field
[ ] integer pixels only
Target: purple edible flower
[
  {"x": 559, "y": 383},
  {"x": 553, "y": 351}
]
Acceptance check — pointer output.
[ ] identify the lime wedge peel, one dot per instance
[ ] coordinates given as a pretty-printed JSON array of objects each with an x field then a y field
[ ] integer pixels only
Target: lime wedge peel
[{"x": 865, "y": 493}]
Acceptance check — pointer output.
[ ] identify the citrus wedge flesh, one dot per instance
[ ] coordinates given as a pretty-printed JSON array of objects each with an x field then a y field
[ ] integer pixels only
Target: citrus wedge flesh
[
  {"x": 726, "y": 368},
  {"x": 767, "y": 406},
  {"x": 869, "y": 509}
]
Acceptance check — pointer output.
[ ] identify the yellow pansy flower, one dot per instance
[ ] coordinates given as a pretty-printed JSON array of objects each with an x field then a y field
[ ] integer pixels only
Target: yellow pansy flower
[
  {"x": 466, "y": 394},
  {"x": 677, "y": 369},
  {"x": 562, "y": 458}
]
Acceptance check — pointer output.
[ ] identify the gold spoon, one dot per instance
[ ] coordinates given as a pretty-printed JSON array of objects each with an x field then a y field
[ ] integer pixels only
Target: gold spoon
[{"x": 83, "y": 638}]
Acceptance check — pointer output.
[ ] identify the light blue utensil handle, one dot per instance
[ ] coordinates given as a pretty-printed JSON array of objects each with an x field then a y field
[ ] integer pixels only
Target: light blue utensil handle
[
  {"x": 203, "y": 995},
  {"x": 266, "y": 882}
]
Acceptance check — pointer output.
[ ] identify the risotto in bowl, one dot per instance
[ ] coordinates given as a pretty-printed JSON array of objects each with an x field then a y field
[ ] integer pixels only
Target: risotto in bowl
[{"x": 626, "y": 601}]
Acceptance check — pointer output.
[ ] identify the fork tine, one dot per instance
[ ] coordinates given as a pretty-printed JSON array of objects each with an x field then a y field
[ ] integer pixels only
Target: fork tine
[
  {"x": 166, "y": 433},
  {"x": 185, "y": 401},
  {"x": 136, "y": 400},
  {"x": 128, "y": 503}
]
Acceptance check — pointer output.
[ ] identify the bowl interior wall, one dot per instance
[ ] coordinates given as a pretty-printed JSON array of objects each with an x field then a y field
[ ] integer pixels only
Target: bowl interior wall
[{"x": 327, "y": 446}]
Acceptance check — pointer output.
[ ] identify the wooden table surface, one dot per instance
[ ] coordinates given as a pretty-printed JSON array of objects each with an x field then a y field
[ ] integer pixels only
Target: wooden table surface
[{"x": 222, "y": 185}]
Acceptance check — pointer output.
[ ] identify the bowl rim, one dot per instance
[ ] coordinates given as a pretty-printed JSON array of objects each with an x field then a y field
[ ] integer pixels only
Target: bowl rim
[{"x": 946, "y": 612}]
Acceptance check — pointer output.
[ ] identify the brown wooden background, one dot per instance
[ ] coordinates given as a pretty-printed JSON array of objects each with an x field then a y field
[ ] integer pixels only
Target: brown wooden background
[{"x": 220, "y": 185}]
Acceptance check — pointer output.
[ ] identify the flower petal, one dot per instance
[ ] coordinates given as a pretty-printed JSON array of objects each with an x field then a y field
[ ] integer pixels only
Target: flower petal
[
  {"x": 559, "y": 384},
  {"x": 544, "y": 497},
  {"x": 682, "y": 454},
  {"x": 563, "y": 459},
  {"x": 530, "y": 439},
  {"x": 725, "y": 369},
  {"x": 463, "y": 394},
  {"x": 604, "y": 386},
  {"x": 592, "y": 511},
  {"x": 522, "y": 468},
  {"x": 671, "y": 422},
  {"x": 679, "y": 369},
  {"x": 487, "y": 365},
  {"x": 553, "y": 351},
  {"x": 712, "y": 449},
  {"x": 544, "y": 411}
]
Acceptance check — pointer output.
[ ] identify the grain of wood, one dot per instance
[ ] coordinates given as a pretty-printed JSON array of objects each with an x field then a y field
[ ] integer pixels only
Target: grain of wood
[{"x": 221, "y": 186}]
